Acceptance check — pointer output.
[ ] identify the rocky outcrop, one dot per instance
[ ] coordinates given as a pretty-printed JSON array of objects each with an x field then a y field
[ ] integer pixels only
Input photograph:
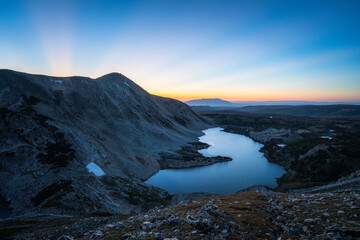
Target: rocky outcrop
[
  {"x": 52, "y": 127},
  {"x": 285, "y": 135},
  {"x": 350, "y": 183},
  {"x": 327, "y": 212},
  {"x": 245, "y": 215},
  {"x": 188, "y": 156}
]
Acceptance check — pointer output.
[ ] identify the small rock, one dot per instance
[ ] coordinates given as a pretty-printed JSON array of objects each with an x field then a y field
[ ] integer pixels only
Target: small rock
[
  {"x": 173, "y": 221},
  {"x": 64, "y": 237},
  {"x": 326, "y": 214},
  {"x": 119, "y": 225},
  {"x": 159, "y": 237},
  {"x": 281, "y": 218},
  {"x": 95, "y": 234},
  {"x": 147, "y": 225},
  {"x": 203, "y": 225},
  {"x": 224, "y": 232},
  {"x": 128, "y": 236},
  {"x": 340, "y": 212},
  {"x": 309, "y": 220},
  {"x": 110, "y": 226}
]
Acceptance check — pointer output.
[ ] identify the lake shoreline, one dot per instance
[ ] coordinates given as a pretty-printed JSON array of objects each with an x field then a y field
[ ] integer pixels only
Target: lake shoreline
[
  {"x": 180, "y": 159},
  {"x": 298, "y": 144},
  {"x": 242, "y": 174}
]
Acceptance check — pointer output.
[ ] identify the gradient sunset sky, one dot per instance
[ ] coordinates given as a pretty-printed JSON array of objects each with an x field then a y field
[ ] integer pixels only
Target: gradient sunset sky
[{"x": 234, "y": 50}]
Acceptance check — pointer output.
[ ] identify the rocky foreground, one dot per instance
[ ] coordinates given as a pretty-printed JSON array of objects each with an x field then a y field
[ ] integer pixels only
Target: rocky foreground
[
  {"x": 330, "y": 213},
  {"x": 247, "y": 215}
]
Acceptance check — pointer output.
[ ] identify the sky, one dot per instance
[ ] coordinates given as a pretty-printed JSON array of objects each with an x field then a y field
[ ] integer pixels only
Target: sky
[{"x": 234, "y": 50}]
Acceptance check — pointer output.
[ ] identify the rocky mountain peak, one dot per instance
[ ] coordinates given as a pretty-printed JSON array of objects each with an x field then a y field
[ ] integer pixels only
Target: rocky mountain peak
[{"x": 53, "y": 127}]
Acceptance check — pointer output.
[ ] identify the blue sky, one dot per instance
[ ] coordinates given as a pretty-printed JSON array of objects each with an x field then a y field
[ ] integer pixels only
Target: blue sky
[{"x": 235, "y": 50}]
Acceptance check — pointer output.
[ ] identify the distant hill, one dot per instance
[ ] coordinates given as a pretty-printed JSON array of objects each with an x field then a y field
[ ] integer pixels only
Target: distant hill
[
  {"x": 220, "y": 103},
  {"x": 208, "y": 108},
  {"x": 291, "y": 103},
  {"x": 212, "y": 102},
  {"x": 306, "y": 110}
]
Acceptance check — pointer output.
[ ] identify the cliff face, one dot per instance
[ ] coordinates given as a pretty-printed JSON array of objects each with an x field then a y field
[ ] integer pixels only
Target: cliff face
[{"x": 51, "y": 128}]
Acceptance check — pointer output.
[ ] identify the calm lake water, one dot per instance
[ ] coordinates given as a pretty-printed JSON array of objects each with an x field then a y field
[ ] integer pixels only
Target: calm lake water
[{"x": 248, "y": 167}]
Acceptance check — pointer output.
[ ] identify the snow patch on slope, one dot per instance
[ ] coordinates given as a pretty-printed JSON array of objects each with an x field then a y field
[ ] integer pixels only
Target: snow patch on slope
[
  {"x": 95, "y": 169},
  {"x": 57, "y": 81},
  {"x": 326, "y": 137}
]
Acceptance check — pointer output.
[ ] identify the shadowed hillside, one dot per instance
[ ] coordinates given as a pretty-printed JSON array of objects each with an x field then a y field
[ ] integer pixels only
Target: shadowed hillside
[{"x": 52, "y": 127}]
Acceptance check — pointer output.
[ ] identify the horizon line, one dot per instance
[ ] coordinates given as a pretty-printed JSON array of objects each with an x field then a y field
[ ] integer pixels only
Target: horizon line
[{"x": 176, "y": 96}]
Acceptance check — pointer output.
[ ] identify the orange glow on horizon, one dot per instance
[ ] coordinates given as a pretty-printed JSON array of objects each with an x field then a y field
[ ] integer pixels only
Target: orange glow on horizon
[{"x": 259, "y": 97}]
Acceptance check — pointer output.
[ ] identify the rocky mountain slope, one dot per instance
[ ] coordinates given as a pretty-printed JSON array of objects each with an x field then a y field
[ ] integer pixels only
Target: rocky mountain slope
[{"x": 51, "y": 128}]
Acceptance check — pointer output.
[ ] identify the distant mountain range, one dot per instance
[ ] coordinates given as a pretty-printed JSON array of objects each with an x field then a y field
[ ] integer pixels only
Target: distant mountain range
[
  {"x": 335, "y": 110},
  {"x": 213, "y": 102},
  {"x": 290, "y": 108},
  {"x": 217, "y": 102}
]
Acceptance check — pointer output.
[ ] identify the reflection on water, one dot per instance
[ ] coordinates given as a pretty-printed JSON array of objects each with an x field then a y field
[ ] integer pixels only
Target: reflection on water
[{"x": 248, "y": 167}]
